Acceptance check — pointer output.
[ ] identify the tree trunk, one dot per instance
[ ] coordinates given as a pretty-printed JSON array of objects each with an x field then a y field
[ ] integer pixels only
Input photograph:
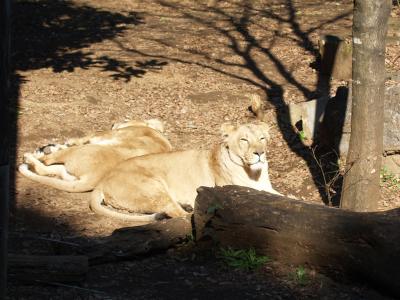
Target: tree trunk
[
  {"x": 361, "y": 187},
  {"x": 365, "y": 246},
  {"x": 4, "y": 139}
]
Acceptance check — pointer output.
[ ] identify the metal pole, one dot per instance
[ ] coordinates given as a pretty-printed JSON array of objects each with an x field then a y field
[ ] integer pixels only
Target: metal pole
[
  {"x": 4, "y": 196},
  {"x": 5, "y": 129}
]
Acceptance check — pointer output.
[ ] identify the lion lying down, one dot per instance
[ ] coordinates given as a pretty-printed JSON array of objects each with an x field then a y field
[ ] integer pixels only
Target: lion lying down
[
  {"x": 156, "y": 185},
  {"x": 78, "y": 165}
]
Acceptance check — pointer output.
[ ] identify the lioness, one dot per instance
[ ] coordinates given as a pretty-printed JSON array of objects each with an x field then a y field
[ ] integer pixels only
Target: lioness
[
  {"x": 161, "y": 184},
  {"x": 78, "y": 165}
]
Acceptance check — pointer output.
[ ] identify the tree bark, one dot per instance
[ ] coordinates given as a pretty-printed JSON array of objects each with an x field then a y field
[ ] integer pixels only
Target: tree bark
[
  {"x": 334, "y": 241},
  {"x": 5, "y": 12},
  {"x": 126, "y": 243},
  {"x": 361, "y": 187}
]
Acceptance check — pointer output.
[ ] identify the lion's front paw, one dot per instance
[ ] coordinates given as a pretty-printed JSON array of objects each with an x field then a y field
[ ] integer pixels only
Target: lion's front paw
[
  {"x": 50, "y": 148},
  {"x": 188, "y": 208},
  {"x": 161, "y": 216},
  {"x": 31, "y": 158}
]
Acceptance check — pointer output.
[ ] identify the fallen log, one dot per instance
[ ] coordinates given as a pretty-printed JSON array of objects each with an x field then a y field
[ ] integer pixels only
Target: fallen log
[
  {"x": 130, "y": 242},
  {"x": 46, "y": 268},
  {"x": 124, "y": 243},
  {"x": 334, "y": 241}
]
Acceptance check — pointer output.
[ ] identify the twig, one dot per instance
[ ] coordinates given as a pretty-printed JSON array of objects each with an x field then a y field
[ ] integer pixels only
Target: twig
[
  {"x": 70, "y": 286},
  {"x": 337, "y": 174},
  {"x": 57, "y": 241},
  {"x": 46, "y": 239},
  {"x": 394, "y": 60},
  {"x": 328, "y": 185}
]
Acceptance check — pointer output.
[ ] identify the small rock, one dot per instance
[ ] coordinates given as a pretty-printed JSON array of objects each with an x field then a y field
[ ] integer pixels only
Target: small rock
[
  {"x": 211, "y": 280},
  {"x": 224, "y": 283},
  {"x": 188, "y": 282}
]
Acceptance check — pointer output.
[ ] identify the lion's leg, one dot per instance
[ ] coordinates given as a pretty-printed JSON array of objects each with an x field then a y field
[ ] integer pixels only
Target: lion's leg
[
  {"x": 158, "y": 198},
  {"x": 46, "y": 170},
  {"x": 104, "y": 138},
  {"x": 57, "y": 157},
  {"x": 120, "y": 125},
  {"x": 172, "y": 208},
  {"x": 48, "y": 149},
  {"x": 151, "y": 203},
  {"x": 140, "y": 194},
  {"x": 79, "y": 141}
]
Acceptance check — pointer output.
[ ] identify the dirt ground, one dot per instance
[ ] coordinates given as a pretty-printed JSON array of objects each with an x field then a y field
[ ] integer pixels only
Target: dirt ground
[{"x": 82, "y": 65}]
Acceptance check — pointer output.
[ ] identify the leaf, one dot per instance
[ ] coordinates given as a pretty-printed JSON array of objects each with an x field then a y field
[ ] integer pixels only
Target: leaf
[
  {"x": 302, "y": 135},
  {"x": 242, "y": 259}
]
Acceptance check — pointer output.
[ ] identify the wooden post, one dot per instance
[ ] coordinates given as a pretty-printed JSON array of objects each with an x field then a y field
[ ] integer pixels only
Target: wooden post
[{"x": 5, "y": 13}]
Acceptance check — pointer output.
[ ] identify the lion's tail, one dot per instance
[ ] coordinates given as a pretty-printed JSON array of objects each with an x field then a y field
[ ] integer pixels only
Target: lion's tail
[
  {"x": 75, "y": 186},
  {"x": 96, "y": 201}
]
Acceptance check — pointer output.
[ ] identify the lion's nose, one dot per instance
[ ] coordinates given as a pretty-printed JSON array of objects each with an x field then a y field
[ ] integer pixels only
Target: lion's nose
[{"x": 259, "y": 153}]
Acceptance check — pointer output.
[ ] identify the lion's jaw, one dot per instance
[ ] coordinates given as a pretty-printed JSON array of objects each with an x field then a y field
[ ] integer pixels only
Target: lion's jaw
[
  {"x": 257, "y": 166},
  {"x": 254, "y": 162}
]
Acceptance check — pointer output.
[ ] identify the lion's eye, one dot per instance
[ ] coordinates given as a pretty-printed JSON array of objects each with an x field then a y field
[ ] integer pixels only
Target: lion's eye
[{"x": 262, "y": 138}]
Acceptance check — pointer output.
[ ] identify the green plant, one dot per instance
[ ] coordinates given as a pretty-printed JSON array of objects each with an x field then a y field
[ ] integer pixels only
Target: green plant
[
  {"x": 16, "y": 110},
  {"x": 389, "y": 179},
  {"x": 242, "y": 259},
  {"x": 190, "y": 238},
  {"x": 301, "y": 275},
  {"x": 302, "y": 135}
]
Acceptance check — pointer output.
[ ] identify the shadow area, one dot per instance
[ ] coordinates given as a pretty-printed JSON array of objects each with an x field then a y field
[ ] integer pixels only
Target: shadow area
[
  {"x": 129, "y": 256},
  {"x": 238, "y": 27},
  {"x": 162, "y": 261},
  {"x": 59, "y": 35}
]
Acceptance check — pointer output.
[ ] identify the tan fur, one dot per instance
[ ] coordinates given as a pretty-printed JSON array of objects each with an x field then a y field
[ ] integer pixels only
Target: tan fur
[
  {"x": 257, "y": 106},
  {"x": 78, "y": 165},
  {"x": 160, "y": 184}
]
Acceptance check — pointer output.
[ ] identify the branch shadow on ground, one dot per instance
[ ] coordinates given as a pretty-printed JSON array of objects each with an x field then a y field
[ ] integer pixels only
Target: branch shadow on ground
[
  {"x": 241, "y": 42},
  {"x": 62, "y": 56},
  {"x": 58, "y": 35}
]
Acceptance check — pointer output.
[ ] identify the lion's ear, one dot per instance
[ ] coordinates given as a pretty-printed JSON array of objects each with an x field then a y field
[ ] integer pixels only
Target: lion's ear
[
  {"x": 155, "y": 124},
  {"x": 226, "y": 129},
  {"x": 265, "y": 129}
]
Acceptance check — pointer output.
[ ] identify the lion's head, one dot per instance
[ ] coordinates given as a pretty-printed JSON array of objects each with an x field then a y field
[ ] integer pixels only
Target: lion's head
[{"x": 247, "y": 144}]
